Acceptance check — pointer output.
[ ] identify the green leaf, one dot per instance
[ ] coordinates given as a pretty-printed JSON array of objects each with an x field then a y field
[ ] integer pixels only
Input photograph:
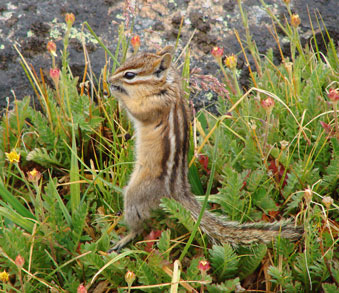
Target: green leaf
[
  {"x": 330, "y": 288},
  {"x": 17, "y": 219},
  {"x": 164, "y": 242},
  {"x": 226, "y": 287},
  {"x": 74, "y": 176},
  {"x": 14, "y": 202},
  {"x": 44, "y": 157},
  {"x": 177, "y": 211},
  {"x": 262, "y": 199},
  {"x": 78, "y": 223},
  {"x": 250, "y": 259},
  {"x": 52, "y": 188},
  {"x": 224, "y": 261}
]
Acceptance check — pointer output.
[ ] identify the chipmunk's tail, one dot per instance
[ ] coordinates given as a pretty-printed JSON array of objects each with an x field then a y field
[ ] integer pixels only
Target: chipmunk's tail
[{"x": 236, "y": 233}]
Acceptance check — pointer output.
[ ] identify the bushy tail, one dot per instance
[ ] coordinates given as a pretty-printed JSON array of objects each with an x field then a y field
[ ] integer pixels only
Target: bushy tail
[{"x": 236, "y": 233}]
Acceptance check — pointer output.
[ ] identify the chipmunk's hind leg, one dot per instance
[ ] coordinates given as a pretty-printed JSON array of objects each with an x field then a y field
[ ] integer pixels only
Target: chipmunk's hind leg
[{"x": 139, "y": 201}]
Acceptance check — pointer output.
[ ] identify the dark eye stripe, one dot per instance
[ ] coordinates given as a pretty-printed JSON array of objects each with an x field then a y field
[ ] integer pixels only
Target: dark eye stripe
[{"x": 129, "y": 75}]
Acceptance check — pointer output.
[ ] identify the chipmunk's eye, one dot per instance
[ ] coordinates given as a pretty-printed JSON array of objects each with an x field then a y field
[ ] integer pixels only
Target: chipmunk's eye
[{"x": 129, "y": 75}]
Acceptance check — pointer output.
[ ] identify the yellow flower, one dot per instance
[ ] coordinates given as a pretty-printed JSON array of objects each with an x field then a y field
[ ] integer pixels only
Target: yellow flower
[
  {"x": 4, "y": 276},
  {"x": 231, "y": 61},
  {"x": 13, "y": 156}
]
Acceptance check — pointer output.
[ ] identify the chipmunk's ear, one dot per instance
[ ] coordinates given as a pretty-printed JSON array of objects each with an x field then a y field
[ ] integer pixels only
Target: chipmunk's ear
[
  {"x": 167, "y": 49},
  {"x": 162, "y": 64}
]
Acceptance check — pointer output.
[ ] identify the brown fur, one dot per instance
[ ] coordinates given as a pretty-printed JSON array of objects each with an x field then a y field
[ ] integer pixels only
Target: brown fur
[{"x": 154, "y": 101}]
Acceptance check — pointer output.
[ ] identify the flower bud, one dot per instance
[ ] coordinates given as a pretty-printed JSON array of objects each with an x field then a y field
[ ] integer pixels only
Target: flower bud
[
  {"x": 129, "y": 278},
  {"x": 231, "y": 61},
  {"x": 333, "y": 95},
  {"x": 284, "y": 144},
  {"x": 327, "y": 201},
  {"x": 295, "y": 20},
  {"x": 81, "y": 289},
  {"x": 33, "y": 176},
  {"x": 308, "y": 195},
  {"x": 54, "y": 73},
  {"x": 51, "y": 47},
  {"x": 135, "y": 41},
  {"x": 204, "y": 266},
  {"x": 19, "y": 261},
  {"x": 217, "y": 53},
  {"x": 268, "y": 104},
  {"x": 69, "y": 18}
]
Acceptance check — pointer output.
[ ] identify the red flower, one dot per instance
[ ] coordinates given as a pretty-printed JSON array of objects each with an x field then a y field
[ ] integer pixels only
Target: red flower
[
  {"x": 204, "y": 266},
  {"x": 217, "y": 52}
]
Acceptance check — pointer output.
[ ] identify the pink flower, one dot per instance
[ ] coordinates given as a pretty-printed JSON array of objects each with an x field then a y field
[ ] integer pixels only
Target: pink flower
[
  {"x": 217, "y": 52},
  {"x": 19, "y": 261},
  {"x": 268, "y": 103},
  {"x": 333, "y": 95},
  {"x": 81, "y": 289},
  {"x": 204, "y": 266},
  {"x": 54, "y": 73}
]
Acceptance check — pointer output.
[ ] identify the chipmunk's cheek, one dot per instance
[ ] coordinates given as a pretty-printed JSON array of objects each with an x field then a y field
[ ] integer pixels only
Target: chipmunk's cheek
[{"x": 117, "y": 90}]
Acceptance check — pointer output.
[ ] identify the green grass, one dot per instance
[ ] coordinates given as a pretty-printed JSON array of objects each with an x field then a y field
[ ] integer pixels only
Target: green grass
[{"x": 273, "y": 153}]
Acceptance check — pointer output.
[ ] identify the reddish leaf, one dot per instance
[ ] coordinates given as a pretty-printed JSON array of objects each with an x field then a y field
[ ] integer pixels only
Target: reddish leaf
[
  {"x": 203, "y": 160},
  {"x": 278, "y": 171},
  {"x": 153, "y": 235}
]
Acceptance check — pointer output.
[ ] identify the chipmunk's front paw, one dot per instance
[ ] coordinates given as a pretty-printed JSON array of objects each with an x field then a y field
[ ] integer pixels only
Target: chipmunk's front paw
[{"x": 123, "y": 242}]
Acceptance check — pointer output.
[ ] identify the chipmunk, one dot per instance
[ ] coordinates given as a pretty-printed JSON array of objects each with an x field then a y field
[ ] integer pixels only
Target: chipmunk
[{"x": 149, "y": 88}]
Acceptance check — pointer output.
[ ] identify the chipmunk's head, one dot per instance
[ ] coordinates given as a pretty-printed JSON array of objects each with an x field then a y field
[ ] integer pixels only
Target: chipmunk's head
[{"x": 142, "y": 75}]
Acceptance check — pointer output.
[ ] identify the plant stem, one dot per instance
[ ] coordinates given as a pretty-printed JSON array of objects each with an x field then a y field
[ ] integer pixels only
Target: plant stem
[{"x": 208, "y": 191}]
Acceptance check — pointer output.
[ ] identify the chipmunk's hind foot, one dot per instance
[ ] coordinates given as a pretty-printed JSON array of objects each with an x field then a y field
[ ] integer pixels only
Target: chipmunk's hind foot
[{"x": 123, "y": 242}]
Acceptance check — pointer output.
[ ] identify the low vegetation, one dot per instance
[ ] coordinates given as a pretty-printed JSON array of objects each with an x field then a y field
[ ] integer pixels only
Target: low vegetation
[{"x": 271, "y": 154}]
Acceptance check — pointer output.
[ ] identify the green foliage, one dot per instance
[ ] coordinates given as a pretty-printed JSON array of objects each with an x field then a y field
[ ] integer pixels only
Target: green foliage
[
  {"x": 259, "y": 163},
  {"x": 224, "y": 261},
  {"x": 250, "y": 259},
  {"x": 177, "y": 211},
  {"x": 231, "y": 197},
  {"x": 228, "y": 286},
  {"x": 44, "y": 158}
]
